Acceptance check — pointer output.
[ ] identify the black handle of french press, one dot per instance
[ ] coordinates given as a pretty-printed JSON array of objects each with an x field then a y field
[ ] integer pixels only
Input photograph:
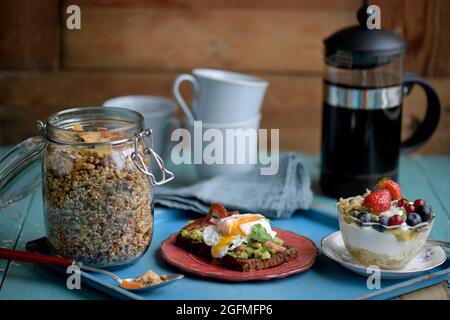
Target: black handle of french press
[{"x": 431, "y": 120}]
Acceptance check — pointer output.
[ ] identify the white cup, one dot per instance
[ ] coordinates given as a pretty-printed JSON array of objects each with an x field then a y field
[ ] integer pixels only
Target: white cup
[
  {"x": 159, "y": 115},
  {"x": 248, "y": 150},
  {"x": 222, "y": 96}
]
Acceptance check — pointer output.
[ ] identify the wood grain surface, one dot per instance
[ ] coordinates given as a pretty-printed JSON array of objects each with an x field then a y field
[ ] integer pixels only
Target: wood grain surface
[
  {"x": 139, "y": 46},
  {"x": 293, "y": 104},
  {"x": 424, "y": 176},
  {"x": 29, "y": 34},
  {"x": 281, "y": 38},
  {"x": 425, "y": 25}
]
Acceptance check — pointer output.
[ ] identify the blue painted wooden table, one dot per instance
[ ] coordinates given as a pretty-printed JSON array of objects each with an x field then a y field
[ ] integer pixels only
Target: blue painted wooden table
[{"x": 420, "y": 176}]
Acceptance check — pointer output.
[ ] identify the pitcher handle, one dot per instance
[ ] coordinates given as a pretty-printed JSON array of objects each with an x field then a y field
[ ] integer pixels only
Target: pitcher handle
[{"x": 431, "y": 120}]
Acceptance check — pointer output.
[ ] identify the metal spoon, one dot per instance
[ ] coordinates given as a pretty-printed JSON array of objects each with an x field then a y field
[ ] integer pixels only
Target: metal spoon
[
  {"x": 130, "y": 284},
  {"x": 439, "y": 243}
]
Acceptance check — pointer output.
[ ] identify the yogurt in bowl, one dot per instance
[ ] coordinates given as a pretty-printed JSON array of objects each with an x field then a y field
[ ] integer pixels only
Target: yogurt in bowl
[{"x": 384, "y": 229}]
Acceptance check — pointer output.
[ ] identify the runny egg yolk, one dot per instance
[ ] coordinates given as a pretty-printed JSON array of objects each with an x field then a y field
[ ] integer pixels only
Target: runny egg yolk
[
  {"x": 223, "y": 243},
  {"x": 235, "y": 227},
  {"x": 231, "y": 233}
]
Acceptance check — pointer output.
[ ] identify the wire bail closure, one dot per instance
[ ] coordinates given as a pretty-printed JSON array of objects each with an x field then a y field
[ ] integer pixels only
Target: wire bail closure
[
  {"x": 42, "y": 126},
  {"x": 138, "y": 160}
]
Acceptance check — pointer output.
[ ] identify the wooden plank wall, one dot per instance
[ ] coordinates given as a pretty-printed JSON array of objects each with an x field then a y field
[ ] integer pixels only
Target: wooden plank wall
[{"x": 138, "y": 47}]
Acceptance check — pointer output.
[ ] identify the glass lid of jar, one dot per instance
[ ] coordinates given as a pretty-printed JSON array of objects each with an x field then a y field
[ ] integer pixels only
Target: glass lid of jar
[{"x": 21, "y": 170}]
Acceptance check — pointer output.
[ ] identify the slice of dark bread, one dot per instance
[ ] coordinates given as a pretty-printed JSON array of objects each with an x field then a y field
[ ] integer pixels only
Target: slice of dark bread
[{"x": 232, "y": 263}]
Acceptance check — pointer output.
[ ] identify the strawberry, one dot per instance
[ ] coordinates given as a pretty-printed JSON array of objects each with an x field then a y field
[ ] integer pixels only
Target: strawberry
[
  {"x": 378, "y": 201},
  {"x": 391, "y": 186}
]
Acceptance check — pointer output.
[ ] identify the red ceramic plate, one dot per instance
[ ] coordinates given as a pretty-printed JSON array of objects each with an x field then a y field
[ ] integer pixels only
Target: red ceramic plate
[{"x": 190, "y": 263}]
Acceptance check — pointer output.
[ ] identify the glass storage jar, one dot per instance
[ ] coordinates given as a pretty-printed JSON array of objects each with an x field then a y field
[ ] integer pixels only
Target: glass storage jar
[{"x": 97, "y": 190}]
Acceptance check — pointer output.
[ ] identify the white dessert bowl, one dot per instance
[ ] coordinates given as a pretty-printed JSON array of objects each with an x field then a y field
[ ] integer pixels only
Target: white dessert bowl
[{"x": 388, "y": 247}]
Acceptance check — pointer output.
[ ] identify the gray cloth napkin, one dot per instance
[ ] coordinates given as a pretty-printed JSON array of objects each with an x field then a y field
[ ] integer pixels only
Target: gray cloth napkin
[{"x": 276, "y": 196}]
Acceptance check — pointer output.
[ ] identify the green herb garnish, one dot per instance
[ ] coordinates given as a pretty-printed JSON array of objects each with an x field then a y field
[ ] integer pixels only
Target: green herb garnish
[{"x": 259, "y": 233}]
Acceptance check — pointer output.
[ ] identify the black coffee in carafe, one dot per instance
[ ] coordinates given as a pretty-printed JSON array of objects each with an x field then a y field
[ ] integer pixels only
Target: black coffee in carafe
[{"x": 364, "y": 86}]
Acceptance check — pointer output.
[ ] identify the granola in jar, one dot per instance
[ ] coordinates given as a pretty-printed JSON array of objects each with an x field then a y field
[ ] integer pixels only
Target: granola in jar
[{"x": 98, "y": 204}]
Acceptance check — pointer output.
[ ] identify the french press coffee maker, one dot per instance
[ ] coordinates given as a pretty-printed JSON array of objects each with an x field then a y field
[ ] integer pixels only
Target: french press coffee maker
[{"x": 364, "y": 86}]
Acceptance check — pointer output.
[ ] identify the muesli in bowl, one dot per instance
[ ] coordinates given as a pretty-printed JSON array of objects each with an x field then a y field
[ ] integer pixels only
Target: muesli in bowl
[{"x": 383, "y": 228}]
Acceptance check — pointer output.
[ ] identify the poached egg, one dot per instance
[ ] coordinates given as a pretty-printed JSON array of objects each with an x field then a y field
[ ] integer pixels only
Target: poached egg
[{"x": 230, "y": 232}]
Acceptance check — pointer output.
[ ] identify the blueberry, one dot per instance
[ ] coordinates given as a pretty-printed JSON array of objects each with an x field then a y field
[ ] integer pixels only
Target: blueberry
[
  {"x": 413, "y": 219},
  {"x": 365, "y": 217},
  {"x": 427, "y": 204},
  {"x": 424, "y": 212},
  {"x": 383, "y": 220}
]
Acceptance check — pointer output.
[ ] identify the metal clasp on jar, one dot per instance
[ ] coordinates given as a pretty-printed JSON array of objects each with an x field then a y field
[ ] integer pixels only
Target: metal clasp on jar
[{"x": 138, "y": 160}]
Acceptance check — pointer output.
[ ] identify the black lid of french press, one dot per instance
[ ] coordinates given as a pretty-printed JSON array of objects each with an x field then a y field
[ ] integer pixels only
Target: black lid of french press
[{"x": 371, "y": 47}]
